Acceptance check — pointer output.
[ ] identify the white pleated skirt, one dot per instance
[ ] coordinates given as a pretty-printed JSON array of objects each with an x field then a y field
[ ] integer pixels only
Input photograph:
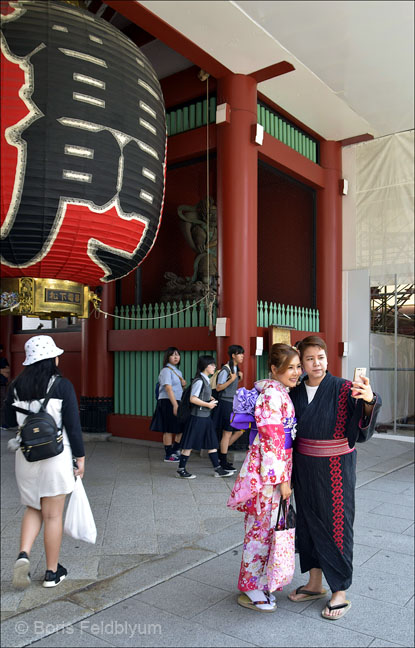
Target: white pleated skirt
[{"x": 45, "y": 478}]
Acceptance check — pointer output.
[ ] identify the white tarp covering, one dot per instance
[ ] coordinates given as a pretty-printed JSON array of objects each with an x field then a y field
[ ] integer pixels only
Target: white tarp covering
[
  {"x": 385, "y": 207},
  {"x": 382, "y": 355}
]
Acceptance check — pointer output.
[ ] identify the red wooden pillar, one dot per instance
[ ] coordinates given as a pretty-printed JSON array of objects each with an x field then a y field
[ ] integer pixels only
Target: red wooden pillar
[
  {"x": 6, "y": 332},
  {"x": 329, "y": 253},
  {"x": 97, "y": 366},
  {"x": 237, "y": 203}
]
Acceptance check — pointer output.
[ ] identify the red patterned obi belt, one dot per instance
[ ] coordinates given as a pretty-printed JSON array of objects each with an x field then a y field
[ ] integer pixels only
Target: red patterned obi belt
[{"x": 332, "y": 448}]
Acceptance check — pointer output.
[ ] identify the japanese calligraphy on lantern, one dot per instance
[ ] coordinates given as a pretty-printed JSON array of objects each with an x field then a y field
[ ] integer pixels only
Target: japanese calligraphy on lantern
[{"x": 84, "y": 139}]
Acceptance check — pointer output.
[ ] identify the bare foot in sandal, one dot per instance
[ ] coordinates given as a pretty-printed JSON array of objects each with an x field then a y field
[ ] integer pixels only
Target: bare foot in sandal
[
  {"x": 306, "y": 593},
  {"x": 337, "y": 607}
]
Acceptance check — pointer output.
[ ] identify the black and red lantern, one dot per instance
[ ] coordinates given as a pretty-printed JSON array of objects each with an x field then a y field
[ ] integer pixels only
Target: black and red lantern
[{"x": 83, "y": 148}]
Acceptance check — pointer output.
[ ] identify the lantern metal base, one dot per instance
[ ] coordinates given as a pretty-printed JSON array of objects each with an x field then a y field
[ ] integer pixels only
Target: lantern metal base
[{"x": 44, "y": 298}]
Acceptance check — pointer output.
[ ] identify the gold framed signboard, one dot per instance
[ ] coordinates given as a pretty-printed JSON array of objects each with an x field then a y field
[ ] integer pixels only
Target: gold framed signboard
[
  {"x": 278, "y": 334},
  {"x": 46, "y": 298}
]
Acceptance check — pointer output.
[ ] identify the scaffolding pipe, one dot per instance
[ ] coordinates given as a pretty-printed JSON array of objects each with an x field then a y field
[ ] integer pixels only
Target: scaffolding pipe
[{"x": 395, "y": 373}]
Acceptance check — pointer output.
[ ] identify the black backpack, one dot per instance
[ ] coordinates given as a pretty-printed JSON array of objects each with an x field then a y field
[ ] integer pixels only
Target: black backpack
[
  {"x": 185, "y": 406},
  {"x": 40, "y": 436}
]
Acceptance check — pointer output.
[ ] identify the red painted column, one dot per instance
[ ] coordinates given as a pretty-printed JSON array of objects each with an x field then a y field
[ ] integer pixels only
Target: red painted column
[
  {"x": 237, "y": 204},
  {"x": 329, "y": 253},
  {"x": 97, "y": 361},
  {"x": 97, "y": 366}
]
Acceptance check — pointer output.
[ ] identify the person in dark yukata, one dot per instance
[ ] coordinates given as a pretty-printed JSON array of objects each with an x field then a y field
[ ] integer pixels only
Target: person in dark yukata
[{"x": 329, "y": 423}]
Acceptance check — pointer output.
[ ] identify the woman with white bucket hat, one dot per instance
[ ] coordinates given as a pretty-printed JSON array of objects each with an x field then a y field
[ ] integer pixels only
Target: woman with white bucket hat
[{"x": 44, "y": 484}]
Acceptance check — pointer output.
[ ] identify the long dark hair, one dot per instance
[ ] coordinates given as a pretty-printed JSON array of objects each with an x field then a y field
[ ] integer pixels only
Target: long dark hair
[
  {"x": 32, "y": 383},
  {"x": 234, "y": 348}
]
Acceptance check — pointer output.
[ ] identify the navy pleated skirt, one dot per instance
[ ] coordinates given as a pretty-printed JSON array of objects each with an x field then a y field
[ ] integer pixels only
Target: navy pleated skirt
[
  {"x": 199, "y": 434},
  {"x": 163, "y": 418}
]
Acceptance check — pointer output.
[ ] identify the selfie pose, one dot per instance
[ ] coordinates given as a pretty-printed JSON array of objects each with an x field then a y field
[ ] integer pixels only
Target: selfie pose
[
  {"x": 332, "y": 415},
  {"x": 265, "y": 476}
]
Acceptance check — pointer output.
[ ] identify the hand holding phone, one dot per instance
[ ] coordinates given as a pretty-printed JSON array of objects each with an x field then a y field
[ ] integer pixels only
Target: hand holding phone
[{"x": 358, "y": 372}]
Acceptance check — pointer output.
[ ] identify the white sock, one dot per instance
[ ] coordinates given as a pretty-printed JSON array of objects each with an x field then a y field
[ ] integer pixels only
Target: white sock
[{"x": 258, "y": 595}]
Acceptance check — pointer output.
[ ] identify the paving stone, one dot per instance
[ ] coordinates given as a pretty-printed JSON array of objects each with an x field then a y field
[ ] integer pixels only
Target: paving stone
[
  {"x": 112, "y": 565},
  {"x": 182, "y": 596},
  {"x": 72, "y": 637},
  {"x": 398, "y": 542},
  {"x": 167, "y": 542},
  {"x": 376, "y": 583},
  {"x": 223, "y": 574},
  {"x": 147, "y": 574},
  {"x": 395, "y": 462},
  {"x": 405, "y": 512},
  {"x": 373, "y": 618},
  {"x": 224, "y": 539},
  {"x": 390, "y": 562},
  {"x": 385, "y": 522},
  {"x": 282, "y": 628},
  {"x": 388, "y": 484},
  {"x": 379, "y": 643},
  {"x": 409, "y": 531},
  {"x": 24, "y": 629},
  {"x": 364, "y": 495},
  {"x": 362, "y": 553},
  {"x": 366, "y": 477},
  {"x": 139, "y": 624}
]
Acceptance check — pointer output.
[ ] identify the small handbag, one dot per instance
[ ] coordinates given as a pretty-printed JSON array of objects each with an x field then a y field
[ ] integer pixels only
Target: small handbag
[
  {"x": 281, "y": 560},
  {"x": 79, "y": 521}
]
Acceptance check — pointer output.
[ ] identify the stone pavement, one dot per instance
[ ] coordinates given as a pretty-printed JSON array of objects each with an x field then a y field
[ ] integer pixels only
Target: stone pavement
[{"x": 165, "y": 566}]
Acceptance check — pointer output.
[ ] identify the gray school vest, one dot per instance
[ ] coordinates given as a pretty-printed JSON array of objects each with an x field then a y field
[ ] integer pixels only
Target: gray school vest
[
  {"x": 230, "y": 391},
  {"x": 205, "y": 394}
]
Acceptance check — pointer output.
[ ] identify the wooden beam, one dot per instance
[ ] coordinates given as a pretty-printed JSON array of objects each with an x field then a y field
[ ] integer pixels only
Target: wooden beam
[
  {"x": 272, "y": 71},
  {"x": 356, "y": 140},
  {"x": 288, "y": 161},
  {"x": 187, "y": 339},
  {"x": 139, "y": 15},
  {"x": 189, "y": 145}
]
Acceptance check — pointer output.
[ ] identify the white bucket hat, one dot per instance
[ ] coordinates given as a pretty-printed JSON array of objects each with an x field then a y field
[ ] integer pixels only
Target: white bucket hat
[{"x": 40, "y": 347}]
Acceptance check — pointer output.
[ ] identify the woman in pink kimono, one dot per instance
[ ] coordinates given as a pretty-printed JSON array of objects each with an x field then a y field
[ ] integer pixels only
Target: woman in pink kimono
[{"x": 265, "y": 475}]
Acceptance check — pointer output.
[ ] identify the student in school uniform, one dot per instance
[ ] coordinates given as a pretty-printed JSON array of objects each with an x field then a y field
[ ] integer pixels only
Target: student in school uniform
[
  {"x": 200, "y": 432},
  {"x": 171, "y": 383},
  {"x": 226, "y": 387}
]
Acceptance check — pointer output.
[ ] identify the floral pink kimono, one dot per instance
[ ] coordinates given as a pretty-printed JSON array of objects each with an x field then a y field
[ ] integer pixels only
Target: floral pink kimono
[{"x": 256, "y": 493}]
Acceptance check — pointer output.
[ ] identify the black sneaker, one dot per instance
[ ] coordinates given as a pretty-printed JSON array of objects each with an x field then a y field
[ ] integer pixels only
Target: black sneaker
[
  {"x": 173, "y": 458},
  {"x": 221, "y": 472},
  {"x": 21, "y": 571},
  {"x": 54, "y": 578},
  {"x": 183, "y": 474},
  {"x": 228, "y": 466}
]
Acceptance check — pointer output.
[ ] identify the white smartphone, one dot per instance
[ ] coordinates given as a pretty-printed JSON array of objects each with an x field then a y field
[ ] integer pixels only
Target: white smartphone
[{"x": 358, "y": 372}]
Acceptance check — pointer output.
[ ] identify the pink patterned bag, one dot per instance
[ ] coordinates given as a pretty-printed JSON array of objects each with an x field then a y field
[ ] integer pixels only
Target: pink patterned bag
[{"x": 281, "y": 560}]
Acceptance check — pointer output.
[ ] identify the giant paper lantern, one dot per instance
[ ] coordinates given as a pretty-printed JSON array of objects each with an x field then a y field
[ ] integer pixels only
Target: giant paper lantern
[{"x": 83, "y": 148}]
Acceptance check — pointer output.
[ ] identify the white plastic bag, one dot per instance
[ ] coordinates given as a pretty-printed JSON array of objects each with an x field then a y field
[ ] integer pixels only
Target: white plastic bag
[{"x": 79, "y": 521}]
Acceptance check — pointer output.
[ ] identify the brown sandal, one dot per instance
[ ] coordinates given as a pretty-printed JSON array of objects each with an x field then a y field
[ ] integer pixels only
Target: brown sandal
[{"x": 309, "y": 595}]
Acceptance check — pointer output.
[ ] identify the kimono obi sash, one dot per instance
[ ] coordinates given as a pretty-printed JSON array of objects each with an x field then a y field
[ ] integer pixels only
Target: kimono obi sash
[
  {"x": 288, "y": 441},
  {"x": 332, "y": 448}
]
